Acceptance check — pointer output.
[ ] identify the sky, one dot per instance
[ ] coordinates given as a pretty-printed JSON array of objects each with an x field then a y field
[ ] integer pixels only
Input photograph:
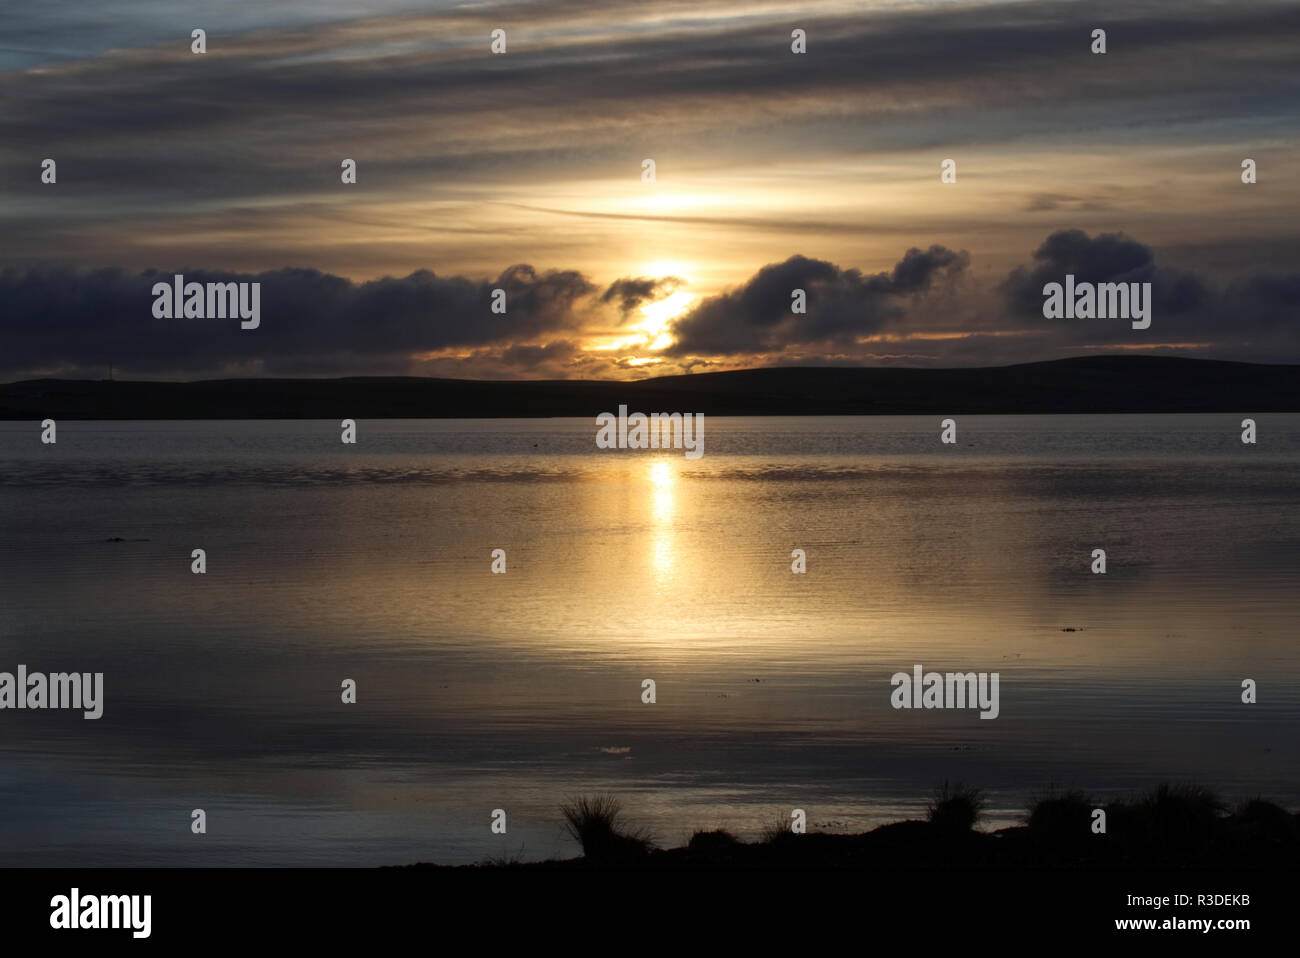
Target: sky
[{"x": 522, "y": 171}]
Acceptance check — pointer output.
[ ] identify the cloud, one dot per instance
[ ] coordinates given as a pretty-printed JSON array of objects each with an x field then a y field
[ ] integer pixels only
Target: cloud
[
  {"x": 630, "y": 294},
  {"x": 65, "y": 320},
  {"x": 1105, "y": 258},
  {"x": 927, "y": 309},
  {"x": 1058, "y": 202},
  {"x": 532, "y": 358},
  {"x": 1252, "y": 316},
  {"x": 842, "y": 304}
]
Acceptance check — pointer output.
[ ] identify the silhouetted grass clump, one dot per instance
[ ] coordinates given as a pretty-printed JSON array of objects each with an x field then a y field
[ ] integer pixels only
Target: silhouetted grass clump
[
  {"x": 956, "y": 808},
  {"x": 593, "y": 823},
  {"x": 1063, "y": 818},
  {"x": 512, "y": 860},
  {"x": 1261, "y": 821},
  {"x": 777, "y": 831},
  {"x": 1184, "y": 815},
  {"x": 1257, "y": 811}
]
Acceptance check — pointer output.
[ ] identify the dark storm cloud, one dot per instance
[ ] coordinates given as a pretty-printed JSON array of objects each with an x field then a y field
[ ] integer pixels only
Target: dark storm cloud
[
  {"x": 629, "y": 294},
  {"x": 1251, "y": 315},
  {"x": 842, "y": 304},
  {"x": 1106, "y": 258},
  {"x": 61, "y": 319}
]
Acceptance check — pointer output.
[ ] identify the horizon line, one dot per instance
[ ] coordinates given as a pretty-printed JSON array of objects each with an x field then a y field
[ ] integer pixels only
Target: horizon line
[{"x": 838, "y": 367}]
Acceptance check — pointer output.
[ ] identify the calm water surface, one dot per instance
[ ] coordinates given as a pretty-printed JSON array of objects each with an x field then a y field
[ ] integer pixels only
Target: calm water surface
[{"x": 516, "y": 691}]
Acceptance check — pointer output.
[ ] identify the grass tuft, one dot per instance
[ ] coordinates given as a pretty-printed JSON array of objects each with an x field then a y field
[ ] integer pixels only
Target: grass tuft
[
  {"x": 1062, "y": 817},
  {"x": 592, "y": 821},
  {"x": 956, "y": 808}
]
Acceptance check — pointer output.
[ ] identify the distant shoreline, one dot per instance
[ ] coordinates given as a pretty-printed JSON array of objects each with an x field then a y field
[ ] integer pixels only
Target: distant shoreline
[{"x": 1089, "y": 384}]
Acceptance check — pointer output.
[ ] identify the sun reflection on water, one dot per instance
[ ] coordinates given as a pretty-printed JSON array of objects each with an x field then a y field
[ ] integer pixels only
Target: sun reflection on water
[{"x": 663, "y": 557}]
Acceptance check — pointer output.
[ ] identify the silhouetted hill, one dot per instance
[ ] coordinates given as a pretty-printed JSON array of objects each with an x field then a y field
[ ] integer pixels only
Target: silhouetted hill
[{"x": 1093, "y": 384}]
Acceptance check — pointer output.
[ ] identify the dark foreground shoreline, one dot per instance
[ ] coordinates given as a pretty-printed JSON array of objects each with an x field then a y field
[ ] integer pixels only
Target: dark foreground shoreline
[
  {"x": 1174, "y": 860},
  {"x": 1172, "y": 826},
  {"x": 1089, "y": 384},
  {"x": 806, "y": 911}
]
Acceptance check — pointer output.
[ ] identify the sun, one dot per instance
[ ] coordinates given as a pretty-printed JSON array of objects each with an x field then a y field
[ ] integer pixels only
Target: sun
[
  {"x": 650, "y": 328},
  {"x": 663, "y": 268},
  {"x": 658, "y": 316}
]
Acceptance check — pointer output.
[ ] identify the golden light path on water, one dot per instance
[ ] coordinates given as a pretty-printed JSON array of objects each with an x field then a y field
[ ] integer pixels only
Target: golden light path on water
[{"x": 663, "y": 475}]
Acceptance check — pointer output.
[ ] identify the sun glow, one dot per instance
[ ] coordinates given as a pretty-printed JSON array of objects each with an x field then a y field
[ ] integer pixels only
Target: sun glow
[
  {"x": 658, "y": 317},
  {"x": 663, "y": 268}
]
